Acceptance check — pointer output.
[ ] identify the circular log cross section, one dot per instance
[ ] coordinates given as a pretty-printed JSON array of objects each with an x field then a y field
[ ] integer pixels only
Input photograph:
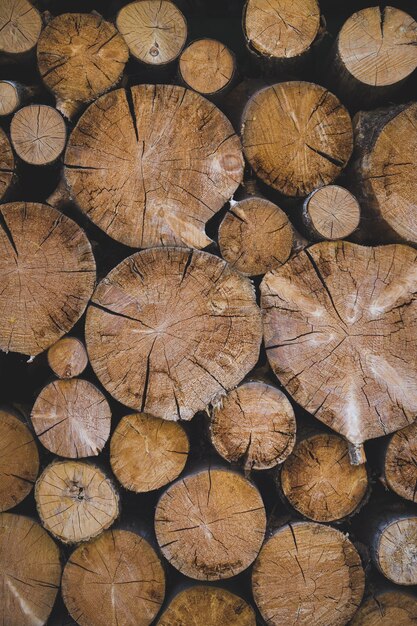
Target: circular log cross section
[
  {"x": 115, "y": 580},
  {"x": 75, "y": 500},
  {"x": 20, "y": 26},
  {"x": 19, "y": 460},
  {"x": 30, "y": 571},
  {"x": 255, "y": 236},
  {"x": 47, "y": 275},
  {"x": 378, "y": 46},
  {"x": 255, "y": 423},
  {"x": 331, "y": 212},
  {"x": 400, "y": 463},
  {"x": 386, "y": 609},
  {"x": 207, "y": 606},
  {"x": 9, "y": 97},
  {"x": 207, "y": 66},
  {"x": 67, "y": 358},
  {"x": 210, "y": 525},
  {"x": 150, "y": 166},
  {"x": 281, "y": 28},
  {"x": 296, "y": 136},
  {"x": 319, "y": 481},
  {"x": 38, "y": 134},
  {"x": 396, "y": 551},
  {"x": 154, "y": 30},
  {"x": 147, "y": 452},
  {"x": 181, "y": 328},
  {"x": 340, "y": 330},
  {"x": 72, "y": 418},
  {"x": 308, "y": 574},
  {"x": 7, "y": 164}
]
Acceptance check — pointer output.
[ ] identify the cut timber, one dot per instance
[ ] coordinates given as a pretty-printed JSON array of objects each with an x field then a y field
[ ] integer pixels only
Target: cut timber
[
  {"x": 72, "y": 418},
  {"x": 154, "y": 30},
  {"x": 147, "y": 452},
  {"x": 47, "y": 275},
  {"x": 207, "y": 606},
  {"x": 308, "y": 574},
  {"x": 75, "y": 500},
  {"x": 67, "y": 358},
  {"x": 255, "y": 236},
  {"x": 340, "y": 334},
  {"x": 114, "y": 580},
  {"x": 151, "y": 165},
  {"x": 296, "y": 136},
  {"x": 20, "y": 27},
  {"x": 80, "y": 56},
  {"x": 38, "y": 134},
  {"x": 331, "y": 212},
  {"x": 207, "y": 66},
  {"x": 19, "y": 460},
  {"x": 387, "y": 608},
  {"x": 9, "y": 97},
  {"x": 400, "y": 463},
  {"x": 7, "y": 164},
  {"x": 384, "y": 168},
  {"x": 30, "y": 571},
  {"x": 394, "y": 549},
  {"x": 255, "y": 424},
  {"x": 169, "y": 330},
  {"x": 319, "y": 482},
  {"x": 210, "y": 525},
  {"x": 281, "y": 29}
]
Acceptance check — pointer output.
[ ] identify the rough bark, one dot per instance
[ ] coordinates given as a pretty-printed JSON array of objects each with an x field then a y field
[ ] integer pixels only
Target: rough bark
[
  {"x": 210, "y": 525},
  {"x": 67, "y": 358},
  {"x": 151, "y": 165},
  {"x": 47, "y": 275},
  {"x": 7, "y": 164},
  {"x": 394, "y": 546},
  {"x": 116, "y": 579},
  {"x": 387, "y": 608},
  {"x": 20, "y": 27},
  {"x": 38, "y": 134},
  {"x": 207, "y": 66},
  {"x": 308, "y": 574},
  {"x": 147, "y": 452},
  {"x": 400, "y": 463},
  {"x": 75, "y": 500},
  {"x": 331, "y": 212}
]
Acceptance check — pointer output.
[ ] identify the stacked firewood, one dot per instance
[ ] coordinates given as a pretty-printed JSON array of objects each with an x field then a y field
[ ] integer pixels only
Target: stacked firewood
[{"x": 208, "y": 315}]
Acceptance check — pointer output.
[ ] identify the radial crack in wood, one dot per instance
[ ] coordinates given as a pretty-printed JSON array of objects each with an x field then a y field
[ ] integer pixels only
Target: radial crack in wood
[
  {"x": 9, "y": 97},
  {"x": 331, "y": 212},
  {"x": 67, "y": 358},
  {"x": 400, "y": 463},
  {"x": 20, "y": 26},
  {"x": 395, "y": 550},
  {"x": 38, "y": 134},
  {"x": 7, "y": 164},
  {"x": 207, "y": 66},
  {"x": 387, "y": 608}
]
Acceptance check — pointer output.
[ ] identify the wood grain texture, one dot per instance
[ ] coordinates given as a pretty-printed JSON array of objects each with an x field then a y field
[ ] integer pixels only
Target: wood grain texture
[
  {"x": 395, "y": 550},
  {"x": 331, "y": 212},
  {"x": 38, "y": 134},
  {"x": 7, "y": 164},
  {"x": 387, "y": 608},
  {"x": 67, "y": 357},
  {"x": 20, "y": 26},
  {"x": 207, "y": 66},
  {"x": 400, "y": 463}
]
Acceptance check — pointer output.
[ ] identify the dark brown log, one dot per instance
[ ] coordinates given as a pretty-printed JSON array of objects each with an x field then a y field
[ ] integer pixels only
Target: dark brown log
[
  {"x": 7, "y": 164},
  {"x": 67, "y": 358},
  {"x": 38, "y": 134},
  {"x": 331, "y": 212},
  {"x": 20, "y": 27},
  {"x": 387, "y": 608},
  {"x": 207, "y": 66},
  {"x": 400, "y": 463}
]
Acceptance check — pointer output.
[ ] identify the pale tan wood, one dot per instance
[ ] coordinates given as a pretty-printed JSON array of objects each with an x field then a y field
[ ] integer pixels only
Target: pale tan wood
[
  {"x": 38, "y": 134},
  {"x": 30, "y": 571},
  {"x": 255, "y": 236},
  {"x": 154, "y": 30},
  {"x": 400, "y": 463},
  {"x": 147, "y": 452},
  {"x": 72, "y": 418},
  {"x": 9, "y": 97},
  {"x": 115, "y": 580},
  {"x": 254, "y": 424},
  {"x": 331, "y": 212},
  {"x": 210, "y": 525},
  {"x": 67, "y": 358},
  {"x": 395, "y": 550},
  {"x": 75, "y": 500},
  {"x": 387, "y": 608},
  {"x": 7, "y": 164},
  {"x": 20, "y": 27},
  {"x": 308, "y": 574},
  {"x": 19, "y": 460},
  {"x": 207, "y": 606},
  {"x": 157, "y": 174},
  {"x": 207, "y": 66},
  {"x": 47, "y": 275},
  {"x": 341, "y": 339},
  {"x": 296, "y": 136},
  {"x": 319, "y": 482},
  {"x": 170, "y": 330}
]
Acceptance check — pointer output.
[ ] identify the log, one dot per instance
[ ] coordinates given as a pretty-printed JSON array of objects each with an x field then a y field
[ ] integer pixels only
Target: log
[
  {"x": 207, "y": 66},
  {"x": 210, "y": 525},
  {"x": 20, "y": 27},
  {"x": 116, "y": 579},
  {"x": 254, "y": 424},
  {"x": 30, "y": 571},
  {"x": 319, "y": 482},
  {"x": 386, "y": 608},
  {"x": 400, "y": 463},
  {"x": 75, "y": 500},
  {"x": 47, "y": 275},
  {"x": 341, "y": 340},
  {"x": 394, "y": 546},
  {"x": 144, "y": 181},
  {"x": 255, "y": 236},
  {"x": 19, "y": 460},
  {"x": 7, "y": 164},
  {"x": 80, "y": 57},
  {"x": 14, "y": 95},
  {"x": 67, "y": 358},
  {"x": 207, "y": 606},
  {"x": 72, "y": 418},
  {"x": 147, "y": 452},
  {"x": 165, "y": 331},
  {"x": 296, "y": 136},
  {"x": 38, "y": 134},
  {"x": 331, "y": 212},
  {"x": 154, "y": 30},
  {"x": 307, "y": 573}
]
